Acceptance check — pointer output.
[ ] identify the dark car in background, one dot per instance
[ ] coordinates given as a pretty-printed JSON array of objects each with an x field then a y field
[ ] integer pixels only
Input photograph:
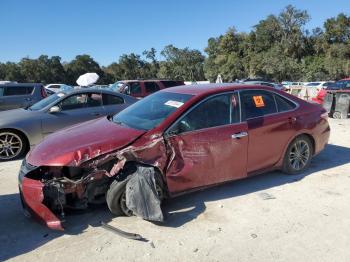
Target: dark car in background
[
  {"x": 20, "y": 95},
  {"x": 343, "y": 84},
  {"x": 143, "y": 88},
  {"x": 21, "y": 129}
]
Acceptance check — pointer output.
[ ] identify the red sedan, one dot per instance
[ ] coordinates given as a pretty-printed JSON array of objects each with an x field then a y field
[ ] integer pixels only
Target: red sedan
[{"x": 191, "y": 136}]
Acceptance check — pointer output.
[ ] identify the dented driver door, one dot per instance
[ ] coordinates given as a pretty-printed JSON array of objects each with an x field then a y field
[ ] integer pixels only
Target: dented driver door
[{"x": 208, "y": 145}]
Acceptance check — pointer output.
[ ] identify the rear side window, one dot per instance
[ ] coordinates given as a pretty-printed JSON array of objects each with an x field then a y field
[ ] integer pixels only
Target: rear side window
[
  {"x": 151, "y": 87},
  {"x": 257, "y": 103},
  {"x": 171, "y": 83},
  {"x": 112, "y": 100},
  {"x": 284, "y": 104},
  {"x": 17, "y": 90},
  {"x": 1, "y": 91}
]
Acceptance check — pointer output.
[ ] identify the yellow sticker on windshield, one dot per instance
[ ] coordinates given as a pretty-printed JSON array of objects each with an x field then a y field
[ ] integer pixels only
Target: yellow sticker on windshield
[{"x": 258, "y": 101}]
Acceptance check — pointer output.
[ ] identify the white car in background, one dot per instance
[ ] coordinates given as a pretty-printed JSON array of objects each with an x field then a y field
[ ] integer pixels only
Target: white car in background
[{"x": 319, "y": 84}]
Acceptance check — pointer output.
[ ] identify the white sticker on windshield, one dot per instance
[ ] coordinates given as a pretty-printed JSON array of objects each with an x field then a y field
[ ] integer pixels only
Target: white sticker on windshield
[{"x": 174, "y": 103}]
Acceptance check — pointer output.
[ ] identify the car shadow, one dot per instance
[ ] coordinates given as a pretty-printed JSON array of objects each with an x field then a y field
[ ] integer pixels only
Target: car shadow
[
  {"x": 20, "y": 235},
  {"x": 185, "y": 208}
]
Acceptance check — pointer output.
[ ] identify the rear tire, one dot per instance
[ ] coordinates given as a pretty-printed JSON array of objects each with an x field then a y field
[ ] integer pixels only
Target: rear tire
[
  {"x": 13, "y": 145},
  {"x": 298, "y": 155}
]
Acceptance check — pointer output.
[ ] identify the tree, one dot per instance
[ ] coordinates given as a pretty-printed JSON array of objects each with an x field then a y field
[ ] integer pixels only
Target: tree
[
  {"x": 80, "y": 65},
  {"x": 337, "y": 30},
  {"x": 182, "y": 64}
]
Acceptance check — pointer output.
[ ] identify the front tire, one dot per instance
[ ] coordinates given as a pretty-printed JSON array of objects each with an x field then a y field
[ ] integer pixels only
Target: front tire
[
  {"x": 298, "y": 155},
  {"x": 116, "y": 196}
]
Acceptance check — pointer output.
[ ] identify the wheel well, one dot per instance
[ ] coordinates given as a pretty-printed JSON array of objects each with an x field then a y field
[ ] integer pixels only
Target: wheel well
[
  {"x": 18, "y": 132},
  {"x": 131, "y": 166}
]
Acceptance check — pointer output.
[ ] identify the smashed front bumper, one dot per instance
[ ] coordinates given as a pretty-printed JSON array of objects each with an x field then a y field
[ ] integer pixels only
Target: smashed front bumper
[
  {"x": 47, "y": 191},
  {"x": 32, "y": 197}
]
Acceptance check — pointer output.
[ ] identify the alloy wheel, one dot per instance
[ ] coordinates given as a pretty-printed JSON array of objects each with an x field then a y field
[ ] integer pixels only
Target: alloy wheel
[
  {"x": 299, "y": 155},
  {"x": 10, "y": 145}
]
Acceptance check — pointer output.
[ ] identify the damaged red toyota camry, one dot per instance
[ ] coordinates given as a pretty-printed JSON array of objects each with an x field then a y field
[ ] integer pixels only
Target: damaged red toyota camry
[{"x": 190, "y": 137}]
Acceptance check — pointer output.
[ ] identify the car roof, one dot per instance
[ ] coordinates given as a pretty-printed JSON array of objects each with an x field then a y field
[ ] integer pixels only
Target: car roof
[{"x": 203, "y": 89}]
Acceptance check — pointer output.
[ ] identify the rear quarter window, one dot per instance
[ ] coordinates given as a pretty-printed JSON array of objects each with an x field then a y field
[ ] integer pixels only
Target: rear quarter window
[
  {"x": 284, "y": 104},
  {"x": 17, "y": 90}
]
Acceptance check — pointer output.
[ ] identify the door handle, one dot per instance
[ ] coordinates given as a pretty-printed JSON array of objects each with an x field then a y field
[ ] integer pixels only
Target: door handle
[
  {"x": 239, "y": 135},
  {"x": 95, "y": 114},
  {"x": 292, "y": 119},
  {"x": 28, "y": 99}
]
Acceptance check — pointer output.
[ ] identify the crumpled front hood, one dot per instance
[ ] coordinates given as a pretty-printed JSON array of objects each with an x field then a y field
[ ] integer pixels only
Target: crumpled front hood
[{"x": 71, "y": 146}]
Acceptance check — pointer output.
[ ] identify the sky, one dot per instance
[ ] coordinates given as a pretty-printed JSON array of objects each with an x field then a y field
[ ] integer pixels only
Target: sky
[{"x": 106, "y": 29}]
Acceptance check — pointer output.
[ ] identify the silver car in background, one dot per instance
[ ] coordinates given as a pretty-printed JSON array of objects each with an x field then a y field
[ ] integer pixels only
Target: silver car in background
[{"x": 21, "y": 129}]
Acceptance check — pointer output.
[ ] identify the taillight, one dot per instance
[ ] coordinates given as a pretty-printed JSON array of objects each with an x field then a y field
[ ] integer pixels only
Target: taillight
[{"x": 43, "y": 92}]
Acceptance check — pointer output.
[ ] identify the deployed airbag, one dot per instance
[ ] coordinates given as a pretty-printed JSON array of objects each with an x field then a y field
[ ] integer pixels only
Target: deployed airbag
[{"x": 141, "y": 195}]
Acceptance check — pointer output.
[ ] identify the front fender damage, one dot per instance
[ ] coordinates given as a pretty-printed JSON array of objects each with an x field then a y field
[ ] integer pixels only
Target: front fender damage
[{"x": 49, "y": 191}]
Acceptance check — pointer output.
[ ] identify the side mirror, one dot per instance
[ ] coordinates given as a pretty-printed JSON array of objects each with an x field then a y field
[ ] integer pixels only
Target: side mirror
[{"x": 54, "y": 109}]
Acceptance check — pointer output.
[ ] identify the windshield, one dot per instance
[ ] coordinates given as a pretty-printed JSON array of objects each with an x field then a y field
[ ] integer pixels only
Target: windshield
[
  {"x": 46, "y": 101},
  {"x": 151, "y": 111}
]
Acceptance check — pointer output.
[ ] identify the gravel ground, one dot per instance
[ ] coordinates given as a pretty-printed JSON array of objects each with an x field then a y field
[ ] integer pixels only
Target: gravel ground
[{"x": 272, "y": 217}]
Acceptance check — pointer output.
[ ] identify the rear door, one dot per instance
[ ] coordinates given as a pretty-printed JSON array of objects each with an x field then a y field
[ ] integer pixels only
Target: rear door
[
  {"x": 208, "y": 145},
  {"x": 271, "y": 124},
  {"x": 75, "y": 109}
]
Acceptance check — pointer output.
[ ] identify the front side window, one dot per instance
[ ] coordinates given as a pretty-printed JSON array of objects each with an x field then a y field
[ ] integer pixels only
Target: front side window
[
  {"x": 81, "y": 101},
  {"x": 257, "y": 103},
  {"x": 151, "y": 87},
  {"x": 216, "y": 111}
]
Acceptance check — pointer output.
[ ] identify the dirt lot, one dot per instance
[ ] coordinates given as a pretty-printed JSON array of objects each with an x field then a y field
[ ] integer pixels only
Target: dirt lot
[{"x": 271, "y": 217}]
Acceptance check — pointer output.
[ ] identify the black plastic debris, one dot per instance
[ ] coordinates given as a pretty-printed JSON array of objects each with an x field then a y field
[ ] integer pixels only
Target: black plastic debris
[
  {"x": 141, "y": 195},
  {"x": 123, "y": 233}
]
